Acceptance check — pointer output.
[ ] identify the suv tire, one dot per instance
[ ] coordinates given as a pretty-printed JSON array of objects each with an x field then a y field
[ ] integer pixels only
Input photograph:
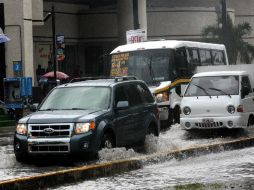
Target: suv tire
[
  {"x": 21, "y": 158},
  {"x": 107, "y": 141}
]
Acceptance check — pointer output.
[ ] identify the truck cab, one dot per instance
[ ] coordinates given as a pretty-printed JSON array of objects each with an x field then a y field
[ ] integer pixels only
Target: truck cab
[{"x": 222, "y": 99}]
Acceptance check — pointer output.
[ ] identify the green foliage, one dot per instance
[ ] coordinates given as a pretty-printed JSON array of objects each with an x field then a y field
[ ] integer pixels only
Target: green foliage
[{"x": 232, "y": 37}]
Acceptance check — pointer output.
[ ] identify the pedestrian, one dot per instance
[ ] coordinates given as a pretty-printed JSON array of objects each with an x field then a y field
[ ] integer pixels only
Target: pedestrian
[{"x": 39, "y": 72}]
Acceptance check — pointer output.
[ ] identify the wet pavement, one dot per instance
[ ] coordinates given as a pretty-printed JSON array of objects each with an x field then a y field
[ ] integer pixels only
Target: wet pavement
[
  {"x": 225, "y": 170},
  {"x": 174, "y": 138}
]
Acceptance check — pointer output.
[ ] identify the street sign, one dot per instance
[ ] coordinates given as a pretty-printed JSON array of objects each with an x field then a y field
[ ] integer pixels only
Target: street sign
[
  {"x": 17, "y": 66},
  {"x": 135, "y": 36},
  {"x": 60, "y": 45}
]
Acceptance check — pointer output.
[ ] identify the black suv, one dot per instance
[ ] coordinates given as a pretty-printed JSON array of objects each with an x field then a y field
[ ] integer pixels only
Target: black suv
[{"x": 85, "y": 116}]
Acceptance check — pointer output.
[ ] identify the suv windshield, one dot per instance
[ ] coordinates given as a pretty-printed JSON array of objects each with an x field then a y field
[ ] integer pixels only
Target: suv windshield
[
  {"x": 77, "y": 98},
  {"x": 213, "y": 86}
]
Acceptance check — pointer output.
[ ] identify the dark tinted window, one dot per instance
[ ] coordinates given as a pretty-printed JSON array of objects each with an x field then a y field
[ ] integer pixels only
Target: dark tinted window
[
  {"x": 146, "y": 95},
  {"x": 120, "y": 95},
  {"x": 133, "y": 95}
]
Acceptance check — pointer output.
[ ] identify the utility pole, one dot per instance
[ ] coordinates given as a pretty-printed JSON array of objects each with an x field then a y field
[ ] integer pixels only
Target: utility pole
[
  {"x": 224, "y": 17},
  {"x": 54, "y": 39}
]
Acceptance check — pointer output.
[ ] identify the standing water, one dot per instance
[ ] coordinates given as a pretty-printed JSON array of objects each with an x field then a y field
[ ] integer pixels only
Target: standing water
[{"x": 225, "y": 170}]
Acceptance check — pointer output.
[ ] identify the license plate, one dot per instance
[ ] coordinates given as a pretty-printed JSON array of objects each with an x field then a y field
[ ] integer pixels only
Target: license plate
[{"x": 207, "y": 120}]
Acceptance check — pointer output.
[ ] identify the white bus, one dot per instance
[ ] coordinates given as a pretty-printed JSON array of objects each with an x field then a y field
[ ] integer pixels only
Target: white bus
[{"x": 166, "y": 66}]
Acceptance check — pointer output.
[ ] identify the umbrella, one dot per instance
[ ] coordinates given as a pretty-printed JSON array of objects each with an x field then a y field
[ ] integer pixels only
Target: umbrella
[
  {"x": 4, "y": 38},
  {"x": 59, "y": 75}
]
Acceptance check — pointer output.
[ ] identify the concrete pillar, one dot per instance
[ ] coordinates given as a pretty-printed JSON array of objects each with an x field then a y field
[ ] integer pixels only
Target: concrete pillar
[
  {"x": 28, "y": 63},
  {"x": 125, "y": 16},
  {"x": 19, "y": 28}
]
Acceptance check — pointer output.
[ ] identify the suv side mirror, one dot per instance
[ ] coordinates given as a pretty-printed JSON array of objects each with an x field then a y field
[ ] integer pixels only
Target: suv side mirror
[
  {"x": 122, "y": 105},
  {"x": 34, "y": 107},
  {"x": 245, "y": 91}
]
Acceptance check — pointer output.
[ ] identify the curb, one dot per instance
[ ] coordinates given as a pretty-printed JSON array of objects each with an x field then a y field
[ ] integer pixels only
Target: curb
[
  {"x": 61, "y": 177},
  {"x": 197, "y": 151},
  {"x": 50, "y": 179}
]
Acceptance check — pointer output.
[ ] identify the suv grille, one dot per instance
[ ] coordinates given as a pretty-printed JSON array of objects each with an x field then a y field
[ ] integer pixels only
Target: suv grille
[
  {"x": 50, "y": 130},
  {"x": 49, "y": 148}
]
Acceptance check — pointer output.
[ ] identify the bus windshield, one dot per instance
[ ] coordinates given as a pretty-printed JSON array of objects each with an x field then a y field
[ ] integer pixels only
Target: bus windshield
[{"x": 152, "y": 66}]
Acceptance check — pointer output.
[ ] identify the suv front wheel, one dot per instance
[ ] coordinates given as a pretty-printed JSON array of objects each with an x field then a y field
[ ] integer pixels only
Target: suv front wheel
[{"x": 107, "y": 141}]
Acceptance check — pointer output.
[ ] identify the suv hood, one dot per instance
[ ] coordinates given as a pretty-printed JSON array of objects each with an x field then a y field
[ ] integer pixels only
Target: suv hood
[{"x": 61, "y": 116}]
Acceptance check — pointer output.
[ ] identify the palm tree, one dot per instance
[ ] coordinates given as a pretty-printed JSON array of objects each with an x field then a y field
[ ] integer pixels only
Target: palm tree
[{"x": 232, "y": 37}]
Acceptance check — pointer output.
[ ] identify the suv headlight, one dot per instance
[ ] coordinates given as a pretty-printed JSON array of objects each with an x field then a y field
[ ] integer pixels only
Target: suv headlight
[
  {"x": 186, "y": 110},
  {"x": 231, "y": 109},
  {"x": 21, "y": 128},
  {"x": 83, "y": 127}
]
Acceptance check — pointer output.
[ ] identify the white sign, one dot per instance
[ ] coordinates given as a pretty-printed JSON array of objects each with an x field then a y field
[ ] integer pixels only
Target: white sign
[{"x": 135, "y": 36}]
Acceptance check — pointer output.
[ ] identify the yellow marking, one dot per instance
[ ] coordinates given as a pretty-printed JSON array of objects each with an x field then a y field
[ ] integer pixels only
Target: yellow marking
[{"x": 172, "y": 85}]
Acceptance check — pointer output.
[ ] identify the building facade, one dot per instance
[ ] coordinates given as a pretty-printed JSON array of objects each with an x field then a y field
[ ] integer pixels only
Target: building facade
[{"x": 91, "y": 29}]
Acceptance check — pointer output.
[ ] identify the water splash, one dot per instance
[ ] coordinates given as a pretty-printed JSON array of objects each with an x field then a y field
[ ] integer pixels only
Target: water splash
[{"x": 115, "y": 154}]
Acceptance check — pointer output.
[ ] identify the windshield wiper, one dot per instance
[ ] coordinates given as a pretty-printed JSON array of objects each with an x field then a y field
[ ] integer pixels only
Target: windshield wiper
[
  {"x": 48, "y": 109},
  {"x": 77, "y": 109},
  {"x": 203, "y": 90},
  {"x": 219, "y": 90}
]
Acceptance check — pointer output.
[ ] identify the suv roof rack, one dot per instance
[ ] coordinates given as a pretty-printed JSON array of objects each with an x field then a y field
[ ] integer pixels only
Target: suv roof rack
[
  {"x": 117, "y": 79},
  {"x": 124, "y": 78}
]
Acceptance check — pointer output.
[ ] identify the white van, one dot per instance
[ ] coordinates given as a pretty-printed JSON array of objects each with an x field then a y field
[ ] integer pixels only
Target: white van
[{"x": 221, "y": 99}]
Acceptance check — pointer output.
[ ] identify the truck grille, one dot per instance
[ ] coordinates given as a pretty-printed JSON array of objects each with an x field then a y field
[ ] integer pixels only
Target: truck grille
[
  {"x": 50, "y": 130},
  {"x": 209, "y": 125}
]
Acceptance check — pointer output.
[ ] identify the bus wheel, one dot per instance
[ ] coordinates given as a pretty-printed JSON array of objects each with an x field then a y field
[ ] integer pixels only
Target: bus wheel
[{"x": 176, "y": 114}]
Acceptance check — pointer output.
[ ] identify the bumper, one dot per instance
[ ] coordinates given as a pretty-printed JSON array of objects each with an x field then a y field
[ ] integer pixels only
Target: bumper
[
  {"x": 212, "y": 122},
  {"x": 77, "y": 144}
]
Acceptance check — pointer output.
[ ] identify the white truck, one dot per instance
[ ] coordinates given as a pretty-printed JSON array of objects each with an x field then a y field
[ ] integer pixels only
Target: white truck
[{"x": 221, "y": 98}]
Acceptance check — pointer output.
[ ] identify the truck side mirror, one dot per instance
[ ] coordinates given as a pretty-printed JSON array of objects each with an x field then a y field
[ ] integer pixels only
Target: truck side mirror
[{"x": 245, "y": 91}]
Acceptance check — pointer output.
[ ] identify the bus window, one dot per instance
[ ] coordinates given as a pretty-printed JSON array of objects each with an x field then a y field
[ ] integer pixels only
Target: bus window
[
  {"x": 218, "y": 57},
  {"x": 205, "y": 57},
  {"x": 181, "y": 63},
  {"x": 193, "y": 57}
]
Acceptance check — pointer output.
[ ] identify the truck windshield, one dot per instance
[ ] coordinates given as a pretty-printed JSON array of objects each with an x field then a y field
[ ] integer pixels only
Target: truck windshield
[
  {"x": 213, "y": 86},
  {"x": 74, "y": 98},
  {"x": 152, "y": 66}
]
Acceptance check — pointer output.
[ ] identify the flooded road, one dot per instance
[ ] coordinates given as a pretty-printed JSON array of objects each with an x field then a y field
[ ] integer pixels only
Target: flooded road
[
  {"x": 172, "y": 139},
  {"x": 225, "y": 170}
]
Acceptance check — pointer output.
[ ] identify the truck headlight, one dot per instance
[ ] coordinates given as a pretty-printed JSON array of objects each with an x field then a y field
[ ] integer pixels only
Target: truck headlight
[
  {"x": 231, "y": 109},
  {"x": 83, "y": 127},
  {"x": 162, "y": 97},
  {"x": 186, "y": 110},
  {"x": 21, "y": 128}
]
